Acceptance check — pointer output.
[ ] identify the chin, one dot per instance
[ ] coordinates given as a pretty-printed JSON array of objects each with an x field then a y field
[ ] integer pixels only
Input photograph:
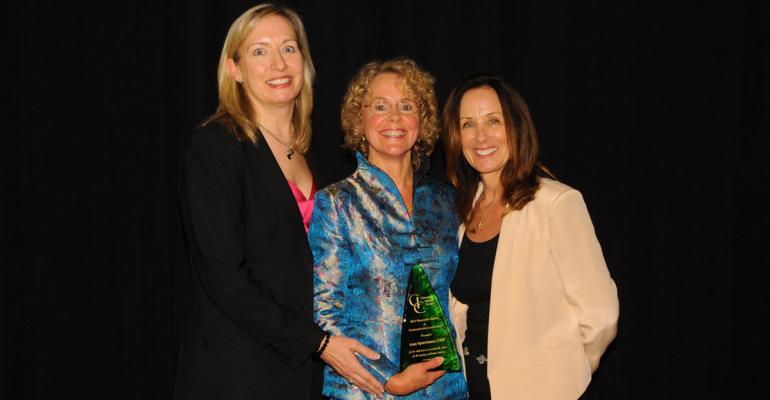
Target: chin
[
  {"x": 484, "y": 168},
  {"x": 288, "y": 99},
  {"x": 391, "y": 154},
  {"x": 399, "y": 153}
]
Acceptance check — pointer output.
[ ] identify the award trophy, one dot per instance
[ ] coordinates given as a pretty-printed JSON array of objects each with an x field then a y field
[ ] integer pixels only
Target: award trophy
[{"x": 425, "y": 333}]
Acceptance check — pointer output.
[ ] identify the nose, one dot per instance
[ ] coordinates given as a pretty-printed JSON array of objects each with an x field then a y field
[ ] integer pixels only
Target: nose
[
  {"x": 394, "y": 114},
  {"x": 481, "y": 133},
  {"x": 278, "y": 62}
]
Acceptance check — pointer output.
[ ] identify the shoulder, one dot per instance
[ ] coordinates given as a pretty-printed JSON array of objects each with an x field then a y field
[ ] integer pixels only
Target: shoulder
[
  {"x": 551, "y": 196},
  {"x": 212, "y": 134},
  {"x": 339, "y": 191},
  {"x": 559, "y": 200},
  {"x": 437, "y": 198},
  {"x": 330, "y": 205},
  {"x": 551, "y": 191},
  {"x": 436, "y": 187},
  {"x": 213, "y": 139}
]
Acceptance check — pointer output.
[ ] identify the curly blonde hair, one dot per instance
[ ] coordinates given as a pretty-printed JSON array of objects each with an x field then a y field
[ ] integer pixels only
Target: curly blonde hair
[{"x": 417, "y": 84}]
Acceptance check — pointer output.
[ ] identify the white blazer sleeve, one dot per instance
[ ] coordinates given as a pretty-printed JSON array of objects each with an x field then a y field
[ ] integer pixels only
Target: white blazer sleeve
[{"x": 587, "y": 282}]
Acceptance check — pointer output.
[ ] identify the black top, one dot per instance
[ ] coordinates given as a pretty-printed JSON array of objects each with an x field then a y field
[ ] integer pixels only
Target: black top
[
  {"x": 251, "y": 332},
  {"x": 472, "y": 285}
]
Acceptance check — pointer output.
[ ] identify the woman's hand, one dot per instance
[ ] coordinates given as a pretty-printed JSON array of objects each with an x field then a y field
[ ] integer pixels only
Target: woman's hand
[
  {"x": 415, "y": 377},
  {"x": 340, "y": 354}
]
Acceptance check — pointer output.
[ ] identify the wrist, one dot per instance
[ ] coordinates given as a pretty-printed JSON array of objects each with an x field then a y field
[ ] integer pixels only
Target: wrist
[
  {"x": 323, "y": 344},
  {"x": 392, "y": 385}
]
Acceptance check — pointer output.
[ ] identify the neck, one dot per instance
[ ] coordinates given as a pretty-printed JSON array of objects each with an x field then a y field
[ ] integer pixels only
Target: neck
[
  {"x": 276, "y": 119},
  {"x": 492, "y": 187},
  {"x": 398, "y": 169}
]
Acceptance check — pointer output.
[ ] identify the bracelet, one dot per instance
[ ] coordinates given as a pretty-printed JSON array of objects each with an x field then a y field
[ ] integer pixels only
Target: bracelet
[{"x": 324, "y": 343}]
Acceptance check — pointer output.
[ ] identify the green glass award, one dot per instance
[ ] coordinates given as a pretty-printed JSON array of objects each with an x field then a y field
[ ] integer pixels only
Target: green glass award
[{"x": 425, "y": 333}]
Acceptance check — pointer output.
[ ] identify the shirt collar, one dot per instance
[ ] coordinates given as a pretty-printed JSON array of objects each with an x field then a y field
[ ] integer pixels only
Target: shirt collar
[
  {"x": 368, "y": 168},
  {"x": 373, "y": 175}
]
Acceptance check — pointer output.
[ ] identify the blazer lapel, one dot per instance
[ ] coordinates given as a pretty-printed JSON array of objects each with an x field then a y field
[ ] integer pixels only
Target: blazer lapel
[
  {"x": 277, "y": 191},
  {"x": 461, "y": 231},
  {"x": 501, "y": 296}
]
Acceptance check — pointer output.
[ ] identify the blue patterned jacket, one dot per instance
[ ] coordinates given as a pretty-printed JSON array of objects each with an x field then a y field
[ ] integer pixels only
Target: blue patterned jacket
[{"x": 364, "y": 243}]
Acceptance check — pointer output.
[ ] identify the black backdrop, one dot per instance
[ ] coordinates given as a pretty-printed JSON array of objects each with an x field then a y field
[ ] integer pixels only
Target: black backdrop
[{"x": 639, "y": 104}]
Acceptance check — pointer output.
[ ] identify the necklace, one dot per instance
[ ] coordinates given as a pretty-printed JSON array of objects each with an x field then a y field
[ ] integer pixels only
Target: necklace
[
  {"x": 483, "y": 214},
  {"x": 289, "y": 149}
]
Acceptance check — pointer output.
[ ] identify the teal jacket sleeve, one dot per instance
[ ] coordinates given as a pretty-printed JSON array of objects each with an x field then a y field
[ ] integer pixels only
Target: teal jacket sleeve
[{"x": 334, "y": 264}]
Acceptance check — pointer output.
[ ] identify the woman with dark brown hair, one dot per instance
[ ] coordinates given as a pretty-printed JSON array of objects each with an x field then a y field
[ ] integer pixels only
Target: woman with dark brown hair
[{"x": 534, "y": 305}]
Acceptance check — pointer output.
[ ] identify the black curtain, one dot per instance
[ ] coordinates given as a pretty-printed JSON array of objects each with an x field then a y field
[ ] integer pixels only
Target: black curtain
[{"x": 654, "y": 110}]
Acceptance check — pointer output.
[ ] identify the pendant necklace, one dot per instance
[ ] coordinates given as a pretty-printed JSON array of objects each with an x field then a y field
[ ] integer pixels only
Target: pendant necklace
[
  {"x": 289, "y": 149},
  {"x": 481, "y": 216},
  {"x": 484, "y": 214}
]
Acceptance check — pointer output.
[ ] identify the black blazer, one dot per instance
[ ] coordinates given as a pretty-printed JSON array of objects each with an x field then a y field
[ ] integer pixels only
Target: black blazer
[{"x": 251, "y": 334}]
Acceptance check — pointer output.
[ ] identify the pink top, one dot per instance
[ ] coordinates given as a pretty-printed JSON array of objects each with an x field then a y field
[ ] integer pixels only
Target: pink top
[{"x": 305, "y": 205}]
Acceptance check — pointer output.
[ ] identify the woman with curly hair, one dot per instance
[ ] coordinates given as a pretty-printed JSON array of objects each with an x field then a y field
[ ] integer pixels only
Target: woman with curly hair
[{"x": 368, "y": 230}]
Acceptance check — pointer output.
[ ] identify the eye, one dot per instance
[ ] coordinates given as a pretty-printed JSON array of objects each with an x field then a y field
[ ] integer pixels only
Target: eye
[
  {"x": 467, "y": 124},
  {"x": 289, "y": 49},
  {"x": 408, "y": 106},
  {"x": 494, "y": 121},
  {"x": 380, "y": 106},
  {"x": 258, "y": 51}
]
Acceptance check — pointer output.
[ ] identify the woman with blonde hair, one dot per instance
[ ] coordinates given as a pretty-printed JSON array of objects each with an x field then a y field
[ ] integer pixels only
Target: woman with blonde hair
[
  {"x": 371, "y": 228},
  {"x": 247, "y": 198}
]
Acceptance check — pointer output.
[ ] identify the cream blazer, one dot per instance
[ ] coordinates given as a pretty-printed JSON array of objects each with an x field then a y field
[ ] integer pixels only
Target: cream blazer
[{"x": 554, "y": 307}]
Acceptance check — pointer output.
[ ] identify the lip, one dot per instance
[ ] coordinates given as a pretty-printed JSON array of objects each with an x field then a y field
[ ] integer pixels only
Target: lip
[
  {"x": 280, "y": 82},
  {"x": 485, "y": 151},
  {"x": 393, "y": 133}
]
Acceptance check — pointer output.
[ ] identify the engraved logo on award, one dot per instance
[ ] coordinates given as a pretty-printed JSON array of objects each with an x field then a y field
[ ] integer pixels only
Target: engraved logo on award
[
  {"x": 414, "y": 301},
  {"x": 425, "y": 332}
]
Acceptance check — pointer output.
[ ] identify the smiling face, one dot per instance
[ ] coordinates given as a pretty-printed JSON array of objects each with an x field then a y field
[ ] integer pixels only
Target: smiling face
[
  {"x": 270, "y": 66},
  {"x": 392, "y": 135},
  {"x": 482, "y": 131}
]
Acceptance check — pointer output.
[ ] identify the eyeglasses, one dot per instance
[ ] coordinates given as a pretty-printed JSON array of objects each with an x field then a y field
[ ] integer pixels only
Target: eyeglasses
[{"x": 380, "y": 106}]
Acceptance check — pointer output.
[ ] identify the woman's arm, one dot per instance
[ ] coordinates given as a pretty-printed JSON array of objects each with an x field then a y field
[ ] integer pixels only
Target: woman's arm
[
  {"x": 587, "y": 282},
  {"x": 330, "y": 254},
  {"x": 211, "y": 195}
]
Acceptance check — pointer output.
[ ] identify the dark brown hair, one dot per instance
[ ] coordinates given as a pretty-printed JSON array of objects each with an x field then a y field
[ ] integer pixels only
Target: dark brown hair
[{"x": 520, "y": 177}]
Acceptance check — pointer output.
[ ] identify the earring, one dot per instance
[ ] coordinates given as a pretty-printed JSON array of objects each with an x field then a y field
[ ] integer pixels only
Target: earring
[
  {"x": 239, "y": 80},
  {"x": 363, "y": 146}
]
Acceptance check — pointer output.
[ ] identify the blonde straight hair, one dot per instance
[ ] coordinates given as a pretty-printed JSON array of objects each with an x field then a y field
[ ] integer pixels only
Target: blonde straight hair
[{"x": 235, "y": 111}]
